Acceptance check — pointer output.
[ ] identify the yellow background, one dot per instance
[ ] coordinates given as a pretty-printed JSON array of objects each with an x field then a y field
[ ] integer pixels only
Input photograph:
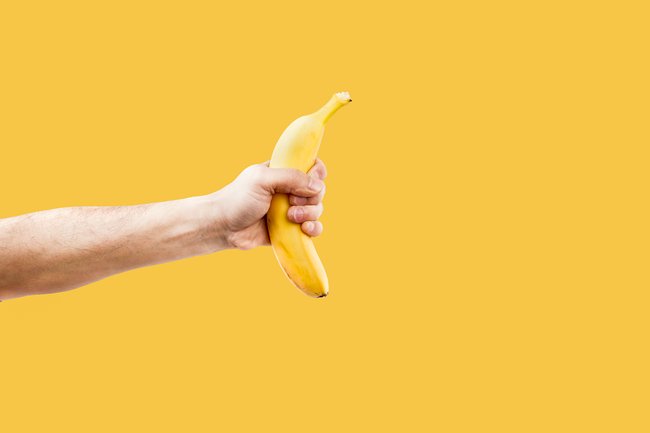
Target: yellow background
[{"x": 485, "y": 230}]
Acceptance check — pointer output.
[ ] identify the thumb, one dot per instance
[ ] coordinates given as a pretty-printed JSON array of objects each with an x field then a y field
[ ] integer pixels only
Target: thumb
[{"x": 290, "y": 181}]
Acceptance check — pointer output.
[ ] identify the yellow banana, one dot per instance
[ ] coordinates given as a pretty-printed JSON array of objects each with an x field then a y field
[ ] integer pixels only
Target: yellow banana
[{"x": 297, "y": 148}]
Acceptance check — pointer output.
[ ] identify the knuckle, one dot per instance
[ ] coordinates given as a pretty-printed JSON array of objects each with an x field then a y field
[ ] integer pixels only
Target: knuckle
[
  {"x": 253, "y": 172},
  {"x": 314, "y": 185},
  {"x": 258, "y": 174},
  {"x": 251, "y": 169},
  {"x": 312, "y": 212},
  {"x": 311, "y": 183}
]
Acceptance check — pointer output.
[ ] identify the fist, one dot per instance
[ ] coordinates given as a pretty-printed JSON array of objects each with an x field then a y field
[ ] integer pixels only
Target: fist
[{"x": 245, "y": 202}]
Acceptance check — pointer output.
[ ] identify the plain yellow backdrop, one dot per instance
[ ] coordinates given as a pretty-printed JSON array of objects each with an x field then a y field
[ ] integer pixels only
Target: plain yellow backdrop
[{"x": 486, "y": 224}]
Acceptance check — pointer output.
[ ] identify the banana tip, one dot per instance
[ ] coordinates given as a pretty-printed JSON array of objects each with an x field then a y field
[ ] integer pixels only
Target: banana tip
[{"x": 344, "y": 97}]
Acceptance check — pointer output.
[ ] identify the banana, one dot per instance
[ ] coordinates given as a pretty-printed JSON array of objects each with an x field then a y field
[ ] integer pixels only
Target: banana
[{"x": 297, "y": 148}]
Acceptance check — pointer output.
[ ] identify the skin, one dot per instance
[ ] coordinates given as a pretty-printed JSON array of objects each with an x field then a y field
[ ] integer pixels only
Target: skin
[{"x": 62, "y": 249}]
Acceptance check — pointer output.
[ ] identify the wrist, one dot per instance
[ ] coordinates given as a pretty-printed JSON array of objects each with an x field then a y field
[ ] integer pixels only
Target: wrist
[{"x": 211, "y": 225}]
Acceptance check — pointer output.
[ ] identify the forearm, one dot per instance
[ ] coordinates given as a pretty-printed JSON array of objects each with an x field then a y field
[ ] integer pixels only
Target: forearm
[{"x": 61, "y": 249}]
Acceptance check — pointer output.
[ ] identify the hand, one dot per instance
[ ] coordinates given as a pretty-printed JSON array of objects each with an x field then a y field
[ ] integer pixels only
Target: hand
[{"x": 245, "y": 202}]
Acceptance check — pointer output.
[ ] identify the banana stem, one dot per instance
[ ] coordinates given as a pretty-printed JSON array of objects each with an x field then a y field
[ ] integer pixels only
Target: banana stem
[{"x": 335, "y": 102}]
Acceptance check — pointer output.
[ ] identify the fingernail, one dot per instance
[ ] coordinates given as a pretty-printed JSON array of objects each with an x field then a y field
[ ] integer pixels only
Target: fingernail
[
  {"x": 309, "y": 226},
  {"x": 296, "y": 213}
]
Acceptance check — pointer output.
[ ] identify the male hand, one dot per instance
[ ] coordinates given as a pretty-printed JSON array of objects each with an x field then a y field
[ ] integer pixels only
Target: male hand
[{"x": 245, "y": 202}]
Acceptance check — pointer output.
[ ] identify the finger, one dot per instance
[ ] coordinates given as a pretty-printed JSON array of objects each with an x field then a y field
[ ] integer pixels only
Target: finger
[
  {"x": 312, "y": 228},
  {"x": 300, "y": 214},
  {"x": 289, "y": 181},
  {"x": 296, "y": 200},
  {"x": 318, "y": 170}
]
